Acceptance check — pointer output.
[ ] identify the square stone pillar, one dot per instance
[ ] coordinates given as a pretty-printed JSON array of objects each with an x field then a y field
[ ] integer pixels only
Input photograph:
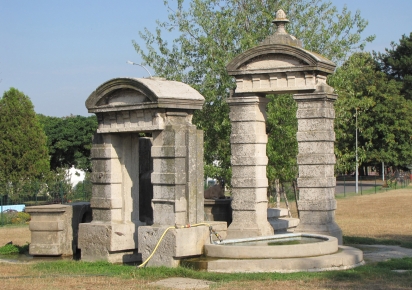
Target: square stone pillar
[
  {"x": 316, "y": 160},
  {"x": 177, "y": 176},
  {"x": 249, "y": 182},
  {"x": 112, "y": 235}
]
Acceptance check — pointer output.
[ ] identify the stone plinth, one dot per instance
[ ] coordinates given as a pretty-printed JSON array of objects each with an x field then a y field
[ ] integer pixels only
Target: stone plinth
[
  {"x": 54, "y": 228},
  {"x": 316, "y": 162},
  {"x": 177, "y": 176},
  {"x": 177, "y": 243},
  {"x": 249, "y": 182}
]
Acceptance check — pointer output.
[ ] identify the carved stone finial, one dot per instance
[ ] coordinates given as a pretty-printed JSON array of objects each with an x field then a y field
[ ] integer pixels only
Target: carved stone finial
[
  {"x": 280, "y": 22},
  {"x": 281, "y": 36}
]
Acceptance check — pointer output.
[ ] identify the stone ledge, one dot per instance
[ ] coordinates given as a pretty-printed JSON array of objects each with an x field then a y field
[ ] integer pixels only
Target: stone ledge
[{"x": 283, "y": 224}]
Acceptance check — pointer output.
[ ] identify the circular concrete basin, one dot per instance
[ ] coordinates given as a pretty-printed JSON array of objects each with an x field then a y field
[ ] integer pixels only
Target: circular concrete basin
[{"x": 294, "y": 245}]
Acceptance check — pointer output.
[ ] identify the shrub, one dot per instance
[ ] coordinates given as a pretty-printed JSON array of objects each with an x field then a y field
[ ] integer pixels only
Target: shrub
[
  {"x": 20, "y": 218},
  {"x": 11, "y": 249}
]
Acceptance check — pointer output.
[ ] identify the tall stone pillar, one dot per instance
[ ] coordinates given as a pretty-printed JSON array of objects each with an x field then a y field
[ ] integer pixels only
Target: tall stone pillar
[
  {"x": 316, "y": 160},
  {"x": 112, "y": 235},
  {"x": 249, "y": 182},
  {"x": 177, "y": 176}
]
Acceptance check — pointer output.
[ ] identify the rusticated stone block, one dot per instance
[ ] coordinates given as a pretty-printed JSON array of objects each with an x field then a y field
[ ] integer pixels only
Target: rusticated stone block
[
  {"x": 256, "y": 127},
  {"x": 316, "y": 182},
  {"x": 317, "y": 205},
  {"x": 176, "y": 244},
  {"x": 314, "y": 113},
  {"x": 315, "y": 136},
  {"x": 319, "y": 158},
  {"x": 249, "y": 149},
  {"x": 315, "y": 125},
  {"x": 248, "y": 138},
  {"x": 316, "y": 171},
  {"x": 316, "y": 147},
  {"x": 244, "y": 160},
  {"x": 249, "y": 171}
]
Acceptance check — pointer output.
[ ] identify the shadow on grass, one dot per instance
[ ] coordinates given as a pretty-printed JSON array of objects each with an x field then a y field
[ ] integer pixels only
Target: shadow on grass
[{"x": 348, "y": 240}]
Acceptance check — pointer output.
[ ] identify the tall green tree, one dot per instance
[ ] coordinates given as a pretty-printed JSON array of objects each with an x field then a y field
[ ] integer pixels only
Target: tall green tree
[
  {"x": 384, "y": 116},
  {"x": 23, "y": 150},
  {"x": 397, "y": 63},
  {"x": 213, "y": 32},
  {"x": 69, "y": 140}
]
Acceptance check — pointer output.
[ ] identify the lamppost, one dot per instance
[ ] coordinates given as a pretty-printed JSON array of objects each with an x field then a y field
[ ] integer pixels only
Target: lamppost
[
  {"x": 356, "y": 150},
  {"x": 133, "y": 63}
]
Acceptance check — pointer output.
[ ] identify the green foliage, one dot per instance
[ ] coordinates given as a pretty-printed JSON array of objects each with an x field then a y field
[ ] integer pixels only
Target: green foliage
[
  {"x": 23, "y": 150},
  {"x": 11, "y": 249},
  {"x": 82, "y": 191},
  {"x": 384, "y": 117},
  {"x": 397, "y": 63},
  {"x": 69, "y": 140},
  {"x": 282, "y": 147},
  {"x": 213, "y": 32},
  {"x": 14, "y": 218}
]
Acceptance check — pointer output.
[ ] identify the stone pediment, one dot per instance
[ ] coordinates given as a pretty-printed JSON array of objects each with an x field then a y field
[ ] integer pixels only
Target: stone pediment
[
  {"x": 280, "y": 65},
  {"x": 279, "y": 68},
  {"x": 142, "y": 105},
  {"x": 278, "y": 58},
  {"x": 138, "y": 93}
]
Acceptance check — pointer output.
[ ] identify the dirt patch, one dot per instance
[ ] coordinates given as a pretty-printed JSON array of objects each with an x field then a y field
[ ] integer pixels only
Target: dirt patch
[
  {"x": 19, "y": 235},
  {"x": 385, "y": 215}
]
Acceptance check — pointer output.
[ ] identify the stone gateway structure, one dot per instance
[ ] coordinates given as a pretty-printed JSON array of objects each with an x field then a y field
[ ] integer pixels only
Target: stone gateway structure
[
  {"x": 148, "y": 184},
  {"x": 126, "y": 108},
  {"x": 280, "y": 65}
]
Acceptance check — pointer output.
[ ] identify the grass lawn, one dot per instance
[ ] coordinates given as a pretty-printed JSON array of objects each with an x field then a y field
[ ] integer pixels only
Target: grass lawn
[{"x": 384, "y": 217}]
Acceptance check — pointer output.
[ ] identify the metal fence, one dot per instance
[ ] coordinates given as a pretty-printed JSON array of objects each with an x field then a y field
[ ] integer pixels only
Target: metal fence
[
  {"x": 371, "y": 184},
  {"x": 15, "y": 197}
]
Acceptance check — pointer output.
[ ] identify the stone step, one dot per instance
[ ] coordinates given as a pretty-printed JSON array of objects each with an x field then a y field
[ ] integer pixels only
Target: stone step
[
  {"x": 283, "y": 224},
  {"x": 277, "y": 212}
]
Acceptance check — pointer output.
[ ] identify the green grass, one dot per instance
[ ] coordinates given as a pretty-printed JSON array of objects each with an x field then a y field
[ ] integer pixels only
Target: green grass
[
  {"x": 11, "y": 249},
  {"x": 367, "y": 272},
  {"x": 348, "y": 240}
]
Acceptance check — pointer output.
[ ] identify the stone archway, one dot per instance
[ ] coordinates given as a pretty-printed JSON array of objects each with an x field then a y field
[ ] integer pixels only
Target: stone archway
[
  {"x": 126, "y": 107},
  {"x": 280, "y": 65}
]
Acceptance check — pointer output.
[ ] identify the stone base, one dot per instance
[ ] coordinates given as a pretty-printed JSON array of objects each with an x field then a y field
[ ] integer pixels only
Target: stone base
[
  {"x": 345, "y": 258},
  {"x": 111, "y": 242},
  {"x": 176, "y": 243}
]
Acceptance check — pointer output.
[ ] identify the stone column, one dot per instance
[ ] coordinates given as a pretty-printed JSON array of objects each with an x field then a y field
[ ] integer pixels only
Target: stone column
[
  {"x": 316, "y": 160},
  {"x": 177, "y": 176},
  {"x": 112, "y": 235},
  {"x": 249, "y": 182}
]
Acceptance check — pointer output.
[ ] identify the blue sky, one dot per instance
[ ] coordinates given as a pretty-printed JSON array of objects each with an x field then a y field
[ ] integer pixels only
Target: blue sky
[{"x": 57, "y": 52}]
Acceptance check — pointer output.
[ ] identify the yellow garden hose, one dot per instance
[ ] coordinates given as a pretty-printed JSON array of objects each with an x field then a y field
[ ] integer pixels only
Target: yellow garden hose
[{"x": 178, "y": 227}]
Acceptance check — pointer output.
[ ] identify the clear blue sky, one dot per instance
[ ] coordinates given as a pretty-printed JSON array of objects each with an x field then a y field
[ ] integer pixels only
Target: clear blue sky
[{"x": 57, "y": 52}]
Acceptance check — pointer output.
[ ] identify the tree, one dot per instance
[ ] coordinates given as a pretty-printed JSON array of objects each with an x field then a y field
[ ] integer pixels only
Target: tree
[
  {"x": 69, "y": 140},
  {"x": 23, "y": 150},
  {"x": 212, "y": 32},
  {"x": 384, "y": 115},
  {"x": 397, "y": 63}
]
